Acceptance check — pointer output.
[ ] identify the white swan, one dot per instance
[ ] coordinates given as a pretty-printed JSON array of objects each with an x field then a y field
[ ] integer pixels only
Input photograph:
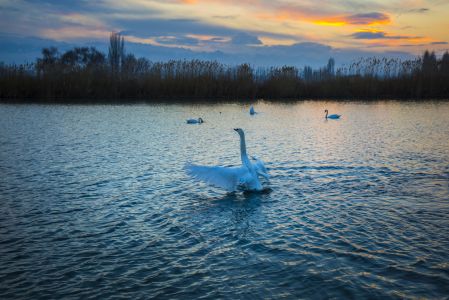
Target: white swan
[
  {"x": 195, "y": 121},
  {"x": 233, "y": 178},
  {"x": 252, "y": 111},
  {"x": 331, "y": 116}
]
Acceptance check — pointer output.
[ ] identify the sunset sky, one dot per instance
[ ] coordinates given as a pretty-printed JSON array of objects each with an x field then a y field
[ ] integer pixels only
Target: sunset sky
[{"x": 232, "y": 27}]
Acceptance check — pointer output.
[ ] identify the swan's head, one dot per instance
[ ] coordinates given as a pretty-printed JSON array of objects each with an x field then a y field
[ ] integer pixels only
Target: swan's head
[
  {"x": 325, "y": 110},
  {"x": 200, "y": 120},
  {"x": 239, "y": 131}
]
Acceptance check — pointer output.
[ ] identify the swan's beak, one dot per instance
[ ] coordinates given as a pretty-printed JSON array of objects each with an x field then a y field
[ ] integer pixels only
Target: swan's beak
[{"x": 236, "y": 129}]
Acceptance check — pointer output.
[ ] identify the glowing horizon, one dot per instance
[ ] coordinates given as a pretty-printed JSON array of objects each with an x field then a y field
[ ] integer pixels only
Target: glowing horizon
[{"x": 409, "y": 26}]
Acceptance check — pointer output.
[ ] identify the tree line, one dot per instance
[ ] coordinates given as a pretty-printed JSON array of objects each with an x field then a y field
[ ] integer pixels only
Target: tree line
[{"x": 88, "y": 74}]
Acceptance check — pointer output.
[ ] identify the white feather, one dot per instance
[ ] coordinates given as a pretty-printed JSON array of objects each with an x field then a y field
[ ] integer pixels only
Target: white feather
[
  {"x": 259, "y": 166},
  {"x": 228, "y": 178}
]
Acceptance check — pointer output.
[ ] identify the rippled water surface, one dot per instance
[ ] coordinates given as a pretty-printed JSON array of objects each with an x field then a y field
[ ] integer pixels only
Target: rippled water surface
[{"x": 95, "y": 203}]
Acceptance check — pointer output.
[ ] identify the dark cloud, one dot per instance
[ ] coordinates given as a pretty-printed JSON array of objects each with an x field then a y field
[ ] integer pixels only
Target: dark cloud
[
  {"x": 179, "y": 29},
  {"x": 172, "y": 40},
  {"x": 413, "y": 45},
  {"x": 367, "y": 18},
  {"x": 245, "y": 39},
  {"x": 424, "y": 44},
  {"x": 376, "y": 35},
  {"x": 217, "y": 40},
  {"x": 419, "y": 10},
  {"x": 368, "y": 35}
]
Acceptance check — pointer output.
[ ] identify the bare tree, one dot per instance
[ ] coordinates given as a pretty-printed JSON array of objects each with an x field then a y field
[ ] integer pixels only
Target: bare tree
[{"x": 116, "y": 51}]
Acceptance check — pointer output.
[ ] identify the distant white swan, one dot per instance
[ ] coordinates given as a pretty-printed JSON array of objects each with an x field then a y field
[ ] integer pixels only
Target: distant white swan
[
  {"x": 244, "y": 177},
  {"x": 252, "y": 111},
  {"x": 195, "y": 121},
  {"x": 331, "y": 116}
]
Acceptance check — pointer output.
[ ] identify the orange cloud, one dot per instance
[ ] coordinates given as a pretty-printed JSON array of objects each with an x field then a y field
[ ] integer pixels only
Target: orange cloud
[
  {"x": 366, "y": 19},
  {"x": 74, "y": 32},
  {"x": 329, "y": 23},
  {"x": 81, "y": 19},
  {"x": 214, "y": 38}
]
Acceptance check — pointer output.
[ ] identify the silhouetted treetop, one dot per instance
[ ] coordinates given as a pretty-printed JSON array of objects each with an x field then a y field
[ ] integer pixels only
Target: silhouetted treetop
[{"x": 86, "y": 73}]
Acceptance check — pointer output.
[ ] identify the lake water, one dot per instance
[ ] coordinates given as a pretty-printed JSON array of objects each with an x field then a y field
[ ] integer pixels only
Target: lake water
[{"x": 95, "y": 202}]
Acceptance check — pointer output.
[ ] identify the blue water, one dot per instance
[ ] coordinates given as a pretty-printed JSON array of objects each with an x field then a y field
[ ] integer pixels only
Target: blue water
[{"x": 95, "y": 203}]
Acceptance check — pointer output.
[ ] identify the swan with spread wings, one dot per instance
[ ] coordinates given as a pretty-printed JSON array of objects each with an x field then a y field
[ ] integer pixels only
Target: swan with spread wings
[{"x": 245, "y": 177}]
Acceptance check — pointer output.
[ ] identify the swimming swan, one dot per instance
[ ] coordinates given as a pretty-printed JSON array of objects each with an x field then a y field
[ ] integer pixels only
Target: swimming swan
[
  {"x": 252, "y": 111},
  {"x": 233, "y": 178},
  {"x": 195, "y": 121},
  {"x": 331, "y": 116}
]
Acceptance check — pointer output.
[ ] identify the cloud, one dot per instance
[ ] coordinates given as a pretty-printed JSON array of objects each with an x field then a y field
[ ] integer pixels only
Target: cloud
[
  {"x": 174, "y": 40},
  {"x": 375, "y": 35},
  {"x": 245, "y": 39},
  {"x": 369, "y": 35},
  {"x": 368, "y": 18},
  {"x": 188, "y": 33},
  {"x": 74, "y": 33},
  {"x": 197, "y": 41},
  {"x": 81, "y": 20},
  {"x": 238, "y": 42},
  {"x": 209, "y": 38},
  {"x": 419, "y": 10},
  {"x": 171, "y": 27},
  {"x": 234, "y": 28},
  {"x": 373, "y": 18},
  {"x": 424, "y": 44}
]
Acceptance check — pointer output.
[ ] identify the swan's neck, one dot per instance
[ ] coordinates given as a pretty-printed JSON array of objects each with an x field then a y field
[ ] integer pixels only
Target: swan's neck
[
  {"x": 326, "y": 114},
  {"x": 243, "y": 154}
]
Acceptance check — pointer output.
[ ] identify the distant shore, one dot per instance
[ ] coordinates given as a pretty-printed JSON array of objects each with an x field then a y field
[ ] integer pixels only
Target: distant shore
[
  {"x": 86, "y": 73},
  {"x": 211, "y": 101}
]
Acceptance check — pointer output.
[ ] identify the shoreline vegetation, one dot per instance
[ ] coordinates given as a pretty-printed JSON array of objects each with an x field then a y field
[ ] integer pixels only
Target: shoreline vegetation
[{"x": 86, "y": 73}]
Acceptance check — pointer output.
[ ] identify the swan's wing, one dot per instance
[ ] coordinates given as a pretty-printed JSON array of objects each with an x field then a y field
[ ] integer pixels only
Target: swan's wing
[
  {"x": 259, "y": 166},
  {"x": 228, "y": 178}
]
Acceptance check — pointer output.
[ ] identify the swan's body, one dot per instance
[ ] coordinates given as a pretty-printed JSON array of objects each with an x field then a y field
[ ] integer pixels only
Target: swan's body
[
  {"x": 252, "y": 111},
  {"x": 233, "y": 178},
  {"x": 334, "y": 116},
  {"x": 195, "y": 121}
]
